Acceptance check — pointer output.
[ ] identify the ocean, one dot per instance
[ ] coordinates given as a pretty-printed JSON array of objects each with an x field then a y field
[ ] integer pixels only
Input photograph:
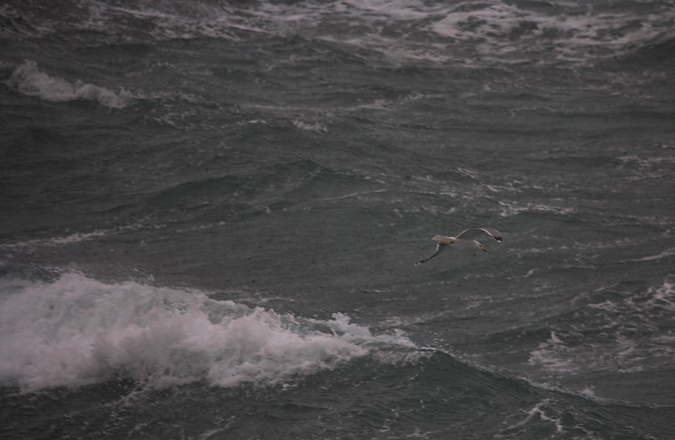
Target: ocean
[{"x": 211, "y": 213}]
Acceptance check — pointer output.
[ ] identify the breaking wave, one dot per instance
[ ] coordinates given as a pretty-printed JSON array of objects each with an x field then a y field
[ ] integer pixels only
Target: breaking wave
[
  {"x": 31, "y": 81},
  {"x": 77, "y": 331}
]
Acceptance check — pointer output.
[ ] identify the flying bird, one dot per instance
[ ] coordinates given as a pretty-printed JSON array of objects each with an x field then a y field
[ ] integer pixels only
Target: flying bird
[{"x": 465, "y": 240}]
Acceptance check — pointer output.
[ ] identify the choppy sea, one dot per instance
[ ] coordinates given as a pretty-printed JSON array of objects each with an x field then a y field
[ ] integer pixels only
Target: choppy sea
[{"x": 210, "y": 213}]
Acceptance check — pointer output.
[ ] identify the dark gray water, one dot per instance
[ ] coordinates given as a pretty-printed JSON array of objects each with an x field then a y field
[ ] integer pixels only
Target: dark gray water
[{"x": 211, "y": 212}]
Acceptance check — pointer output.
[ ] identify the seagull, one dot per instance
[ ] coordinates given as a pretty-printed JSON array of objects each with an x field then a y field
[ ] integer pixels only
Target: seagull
[{"x": 465, "y": 240}]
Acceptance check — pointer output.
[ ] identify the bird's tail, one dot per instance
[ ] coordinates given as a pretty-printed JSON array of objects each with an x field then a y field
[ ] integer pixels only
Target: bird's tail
[{"x": 423, "y": 260}]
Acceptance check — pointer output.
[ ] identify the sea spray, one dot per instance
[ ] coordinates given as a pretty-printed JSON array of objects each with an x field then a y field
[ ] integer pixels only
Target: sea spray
[{"x": 77, "y": 331}]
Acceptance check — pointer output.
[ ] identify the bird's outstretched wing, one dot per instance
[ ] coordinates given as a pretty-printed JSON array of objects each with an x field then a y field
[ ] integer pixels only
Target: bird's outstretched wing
[
  {"x": 475, "y": 232},
  {"x": 439, "y": 248}
]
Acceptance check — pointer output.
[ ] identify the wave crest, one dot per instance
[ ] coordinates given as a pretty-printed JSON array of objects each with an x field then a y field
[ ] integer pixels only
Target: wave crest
[
  {"x": 77, "y": 331},
  {"x": 30, "y": 81}
]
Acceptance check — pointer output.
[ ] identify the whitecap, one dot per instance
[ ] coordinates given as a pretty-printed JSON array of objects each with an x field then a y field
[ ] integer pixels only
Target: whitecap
[
  {"x": 308, "y": 126},
  {"x": 552, "y": 355},
  {"x": 77, "y": 331},
  {"x": 31, "y": 81}
]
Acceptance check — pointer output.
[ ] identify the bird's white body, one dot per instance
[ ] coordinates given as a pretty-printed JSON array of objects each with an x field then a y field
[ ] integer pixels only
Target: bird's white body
[
  {"x": 459, "y": 243},
  {"x": 464, "y": 241}
]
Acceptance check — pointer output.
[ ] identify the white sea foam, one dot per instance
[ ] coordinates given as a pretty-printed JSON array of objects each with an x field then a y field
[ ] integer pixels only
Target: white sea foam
[
  {"x": 617, "y": 321},
  {"x": 67, "y": 239},
  {"x": 662, "y": 297},
  {"x": 308, "y": 126},
  {"x": 78, "y": 331},
  {"x": 551, "y": 355},
  {"x": 31, "y": 81},
  {"x": 646, "y": 168},
  {"x": 539, "y": 413},
  {"x": 75, "y": 237},
  {"x": 403, "y": 31},
  {"x": 498, "y": 32},
  {"x": 666, "y": 253},
  {"x": 510, "y": 209}
]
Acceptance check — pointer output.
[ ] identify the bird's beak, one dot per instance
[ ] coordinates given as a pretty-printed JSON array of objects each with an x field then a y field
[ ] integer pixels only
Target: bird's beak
[{"x": 484, "y": 250}]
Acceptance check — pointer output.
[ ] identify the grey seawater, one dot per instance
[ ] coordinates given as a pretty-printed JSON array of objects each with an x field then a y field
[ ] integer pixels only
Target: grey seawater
[{"x": 211, "y": 212}]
